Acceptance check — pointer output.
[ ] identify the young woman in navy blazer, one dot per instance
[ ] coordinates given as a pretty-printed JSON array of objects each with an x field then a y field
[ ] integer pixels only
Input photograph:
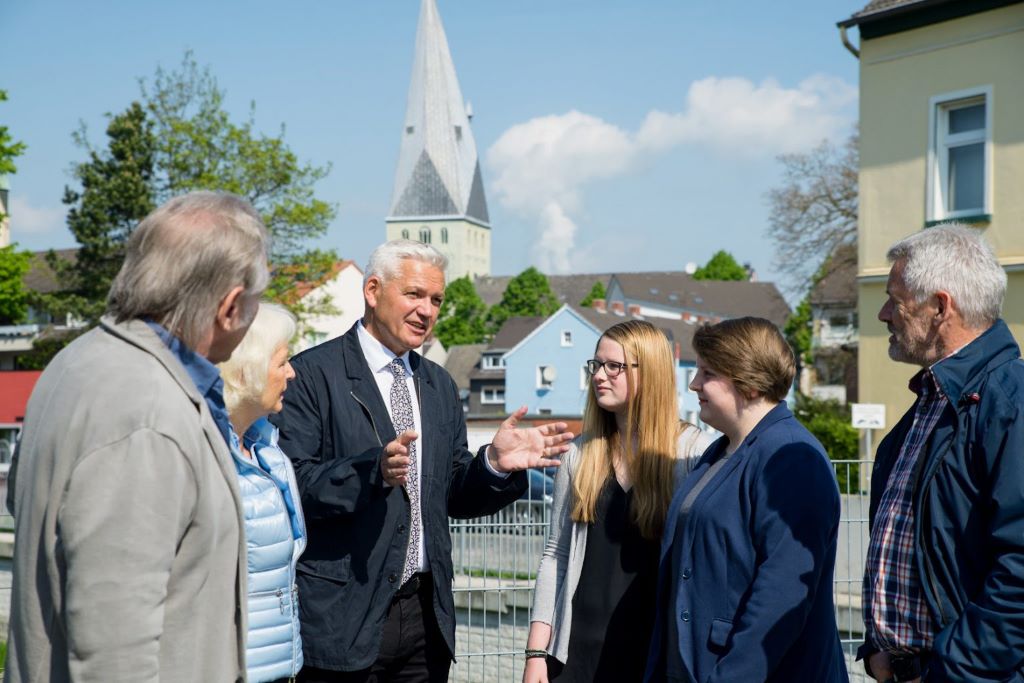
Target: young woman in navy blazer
[{"x": 745, "y": 575}]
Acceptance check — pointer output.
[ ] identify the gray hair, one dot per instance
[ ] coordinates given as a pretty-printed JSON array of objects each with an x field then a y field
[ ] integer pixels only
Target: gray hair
[
  {"x": 386, "y": 259},
  {"x": 185, "y": 257},
  {"x": 953, "y": 258},
  {"x": 245, "y": 373}
]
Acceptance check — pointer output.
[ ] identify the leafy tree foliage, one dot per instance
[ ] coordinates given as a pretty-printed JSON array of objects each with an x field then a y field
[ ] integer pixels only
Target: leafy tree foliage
[
  {"x": 13, "y": 263},
  {"x": 721, "y": 266},
  {"x": 528, "y": 293},
  {"x": 829, "y": 421},
  {"x": 463, "y": 315},
  {"x": 814, "y": 210},
  {"x": 13, "y": 297},
  {"x": 596, "y": 292},
  {"x": 798, "y": 330},
  {"x": 116, "y": 193}
]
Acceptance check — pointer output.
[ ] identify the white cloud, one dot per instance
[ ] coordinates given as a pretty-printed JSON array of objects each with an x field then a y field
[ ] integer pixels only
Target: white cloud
[
  {"x": 541, "y": 167},
  {"x": 27, "y": 219}
]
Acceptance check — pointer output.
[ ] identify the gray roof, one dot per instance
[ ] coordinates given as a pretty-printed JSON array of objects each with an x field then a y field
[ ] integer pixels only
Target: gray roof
[
  {"x": 839, "y": 286},
  {"x": 40, "y": 277},
  {"x": 678, "y": 331},
  {"x": 710, "y": 298},
  {"x": 570, "y": 289},
  {"x": 462, "y": 358},
  {"x": 514, "y": 331},
  {"x": 438, "y": 171}
]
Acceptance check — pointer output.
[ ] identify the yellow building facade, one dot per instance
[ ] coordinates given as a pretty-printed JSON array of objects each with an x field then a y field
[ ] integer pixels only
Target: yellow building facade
[{"x": 942, "y": 138}]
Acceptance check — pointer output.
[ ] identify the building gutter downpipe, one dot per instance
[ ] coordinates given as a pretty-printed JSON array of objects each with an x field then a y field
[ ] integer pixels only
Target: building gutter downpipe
[{"x": 846, "y": 42}]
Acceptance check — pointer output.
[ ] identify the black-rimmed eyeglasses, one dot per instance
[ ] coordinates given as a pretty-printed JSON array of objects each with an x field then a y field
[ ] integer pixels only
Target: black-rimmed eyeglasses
[{"x": 611, "y": 368}]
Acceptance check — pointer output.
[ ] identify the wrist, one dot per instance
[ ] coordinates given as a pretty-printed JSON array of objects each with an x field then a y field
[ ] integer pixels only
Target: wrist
[{"x": 535, "y": 653}]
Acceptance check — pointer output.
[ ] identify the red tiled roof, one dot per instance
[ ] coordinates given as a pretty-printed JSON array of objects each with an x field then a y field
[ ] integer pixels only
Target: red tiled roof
[
  {"x": 302, "y": 288},
  {"x": 15, "y": 388}
]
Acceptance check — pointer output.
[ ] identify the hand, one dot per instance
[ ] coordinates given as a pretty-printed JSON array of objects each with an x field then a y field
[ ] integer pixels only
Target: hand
[
  {"x": 536, "y": 670},
  {"x": 516, "y": 449},
  {"x": 880, "y": 667},
  {"x": 394, "y": 462}
]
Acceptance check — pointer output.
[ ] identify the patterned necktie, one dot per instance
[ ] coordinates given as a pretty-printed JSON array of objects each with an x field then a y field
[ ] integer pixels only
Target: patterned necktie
[{"x": 401, "y": 416}]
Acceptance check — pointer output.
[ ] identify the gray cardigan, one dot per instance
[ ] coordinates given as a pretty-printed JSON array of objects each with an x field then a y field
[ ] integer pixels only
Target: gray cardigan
[
  {"x": 129, "y": 558},
  {"x": 560, "y": 566}
]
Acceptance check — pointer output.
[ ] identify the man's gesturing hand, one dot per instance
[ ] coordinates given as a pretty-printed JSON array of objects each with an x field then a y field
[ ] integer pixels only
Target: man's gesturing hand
[
  {"x": 394, "y": 463},
  {"x": 518, "y": 449}
]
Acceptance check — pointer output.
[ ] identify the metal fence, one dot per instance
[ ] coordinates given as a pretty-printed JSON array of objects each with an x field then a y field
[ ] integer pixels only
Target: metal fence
[{"x": 496, "y": 558}]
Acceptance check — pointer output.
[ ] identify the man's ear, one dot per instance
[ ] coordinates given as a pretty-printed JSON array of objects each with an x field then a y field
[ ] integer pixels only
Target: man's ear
[
  {"x": 943, "y": 305},
  {"x": 372, "y": 290},
  {"x": 229, "y": 312}
]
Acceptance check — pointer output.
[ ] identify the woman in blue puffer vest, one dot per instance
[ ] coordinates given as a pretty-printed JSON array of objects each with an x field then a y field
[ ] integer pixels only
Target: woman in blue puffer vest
[{"x": 254, "y": 382}]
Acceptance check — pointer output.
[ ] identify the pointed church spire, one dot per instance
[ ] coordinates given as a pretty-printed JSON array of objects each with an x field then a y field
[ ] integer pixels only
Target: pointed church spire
[{"x": 438, "y": 171}]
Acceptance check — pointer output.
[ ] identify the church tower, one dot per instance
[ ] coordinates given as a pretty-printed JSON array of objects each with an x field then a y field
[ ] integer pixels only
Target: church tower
[{"x": 439, "y": 194}]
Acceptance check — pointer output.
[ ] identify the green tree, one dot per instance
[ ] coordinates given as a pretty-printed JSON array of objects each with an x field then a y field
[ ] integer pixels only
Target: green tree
[
  {"x": 829, "y": 421},
  {"x": 596, "y": 292},
  {"x": 463, "y": 315},
  {"x": 528, "y": 293},
  {"x": 200, "y": 147},
  {"x": 13, "y": 263},
  {"x": 13, "y": 297},
  {"x": 721, "y": 266},
  {"x": 798, "y": 330},
  {"x": 116, "y": 193},
  {"x": 814, "y": 210}
]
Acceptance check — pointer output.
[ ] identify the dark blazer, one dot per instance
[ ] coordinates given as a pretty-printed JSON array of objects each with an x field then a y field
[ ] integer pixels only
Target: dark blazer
[
  {"x": 756, "y": 555},
  {"x": 333, "y": 426},
  {"x": 969, "y": 512}
]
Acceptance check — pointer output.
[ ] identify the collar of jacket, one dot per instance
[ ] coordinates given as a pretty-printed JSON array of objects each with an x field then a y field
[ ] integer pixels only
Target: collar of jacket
[
  {"x": 355, "y": 361},
  {"x": 961, "y": 372}
]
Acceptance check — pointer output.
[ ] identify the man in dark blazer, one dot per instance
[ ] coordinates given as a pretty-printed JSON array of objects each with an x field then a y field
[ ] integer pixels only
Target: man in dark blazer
[{"x": 378, "y": 439}]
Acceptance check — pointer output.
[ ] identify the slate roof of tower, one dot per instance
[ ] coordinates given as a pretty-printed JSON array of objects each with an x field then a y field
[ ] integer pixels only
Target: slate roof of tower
[{"x": 438, "y": 170}]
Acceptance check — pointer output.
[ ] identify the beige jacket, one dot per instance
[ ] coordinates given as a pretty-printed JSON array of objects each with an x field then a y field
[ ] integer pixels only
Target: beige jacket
[{"x": 129, "y": 556}]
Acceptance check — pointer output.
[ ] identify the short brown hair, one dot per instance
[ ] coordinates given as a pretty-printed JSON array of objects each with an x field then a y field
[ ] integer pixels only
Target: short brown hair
[{"x": 751, "y": 352}]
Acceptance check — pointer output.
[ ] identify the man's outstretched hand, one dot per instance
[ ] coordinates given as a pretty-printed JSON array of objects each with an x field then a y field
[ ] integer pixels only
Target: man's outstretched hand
[{"x": 516, "y": 449}]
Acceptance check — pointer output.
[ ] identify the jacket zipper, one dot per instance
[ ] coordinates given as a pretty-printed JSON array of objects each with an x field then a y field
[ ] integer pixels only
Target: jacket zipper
[{"x": 373, "y": 422}]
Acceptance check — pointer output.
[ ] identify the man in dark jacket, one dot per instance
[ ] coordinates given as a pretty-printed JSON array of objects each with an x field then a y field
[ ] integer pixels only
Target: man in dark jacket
[
  {"x": 378, "y": 439},
  {"x": 943, "y": 594}
]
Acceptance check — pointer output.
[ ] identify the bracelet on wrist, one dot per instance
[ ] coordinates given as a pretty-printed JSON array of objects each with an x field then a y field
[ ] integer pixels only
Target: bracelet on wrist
[{"x": 534, "y": 654}]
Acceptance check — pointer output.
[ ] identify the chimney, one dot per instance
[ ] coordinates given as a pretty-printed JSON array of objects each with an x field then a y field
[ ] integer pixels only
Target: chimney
[
  {"x": 677, "y": 350},
  {"x": 634, "y": 310},
  {"x": 599, "y": 305},
  {"x": 618, "y": 308}
]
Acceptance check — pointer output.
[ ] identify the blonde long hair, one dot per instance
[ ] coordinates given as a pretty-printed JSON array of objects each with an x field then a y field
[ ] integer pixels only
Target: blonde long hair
[{"x": 652, "y": 424}]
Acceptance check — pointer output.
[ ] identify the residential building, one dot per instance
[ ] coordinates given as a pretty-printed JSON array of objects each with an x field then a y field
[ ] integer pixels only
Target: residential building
[
  {"x": 341, "y": 291},
  {"x": 438, "y": 195},
  {"x": 15, "y": 389},
  {"x": 487, "y": 382},
  {"x": 462, "y": 360},
  {"x": 834, "y": 336},
  {"x": 941, "y": 125}
]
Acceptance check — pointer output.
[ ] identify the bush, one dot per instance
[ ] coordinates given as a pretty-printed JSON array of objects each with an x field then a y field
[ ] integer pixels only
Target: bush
[{"x": 829, "y": 422}]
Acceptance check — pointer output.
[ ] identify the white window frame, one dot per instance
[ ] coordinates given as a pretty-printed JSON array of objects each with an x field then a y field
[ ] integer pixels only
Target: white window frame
[
  {"x": 497, "y": 396},
  {"x": 490, "y": 361},
  {"x": 566, "y": 338},
  {"x": 939, "y": 143}
]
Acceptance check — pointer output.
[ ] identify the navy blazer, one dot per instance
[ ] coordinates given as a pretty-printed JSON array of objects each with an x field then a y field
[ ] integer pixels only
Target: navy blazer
[
  {"x": 334, "y": 426},
  {"x": 756, "y": 557}
]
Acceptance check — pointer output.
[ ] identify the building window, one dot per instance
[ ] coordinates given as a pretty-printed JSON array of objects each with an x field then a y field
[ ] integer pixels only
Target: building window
[
  {"x": 545, "y": 376},
  {"x": 959, "y": 156},
  {"x": 492, "y": 361},
  {"x": 566, "y": 337},
  {"x": 492, "y": 396},
  {"x": 425, "y": 235},
  {"x": 444, "y": 235},
  {"x": 584, "y": 377},
  {"x": 405, "y": 234}
]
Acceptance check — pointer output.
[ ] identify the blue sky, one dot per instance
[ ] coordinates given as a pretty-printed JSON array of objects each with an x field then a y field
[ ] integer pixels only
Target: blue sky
[{"x": 634, "y": 135}]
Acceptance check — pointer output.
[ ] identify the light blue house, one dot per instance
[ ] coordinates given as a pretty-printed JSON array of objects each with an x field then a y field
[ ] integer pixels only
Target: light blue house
[{"x": 544, "y": 371}]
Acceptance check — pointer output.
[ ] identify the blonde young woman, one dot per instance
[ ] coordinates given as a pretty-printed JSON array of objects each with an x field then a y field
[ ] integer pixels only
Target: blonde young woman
[{"x": 594, "y": 605}]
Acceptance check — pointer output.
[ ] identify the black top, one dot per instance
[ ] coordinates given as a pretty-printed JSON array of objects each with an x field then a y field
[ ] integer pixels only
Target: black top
[{"x": 613, "y": 608}]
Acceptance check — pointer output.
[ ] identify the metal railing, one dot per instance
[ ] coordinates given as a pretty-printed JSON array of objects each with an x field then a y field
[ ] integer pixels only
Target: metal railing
[{"x": 495, "y": 560}]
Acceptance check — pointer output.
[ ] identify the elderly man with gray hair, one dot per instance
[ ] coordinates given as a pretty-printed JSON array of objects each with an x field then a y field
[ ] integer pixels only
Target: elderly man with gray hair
[
  {"x": 943, "y": 594},
  {"x": 129, "y": 553},
  {"x": 378, "y": 439}
]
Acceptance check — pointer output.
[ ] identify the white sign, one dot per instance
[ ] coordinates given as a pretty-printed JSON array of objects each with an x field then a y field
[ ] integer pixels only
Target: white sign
[{"x": 868, "y": 415}]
